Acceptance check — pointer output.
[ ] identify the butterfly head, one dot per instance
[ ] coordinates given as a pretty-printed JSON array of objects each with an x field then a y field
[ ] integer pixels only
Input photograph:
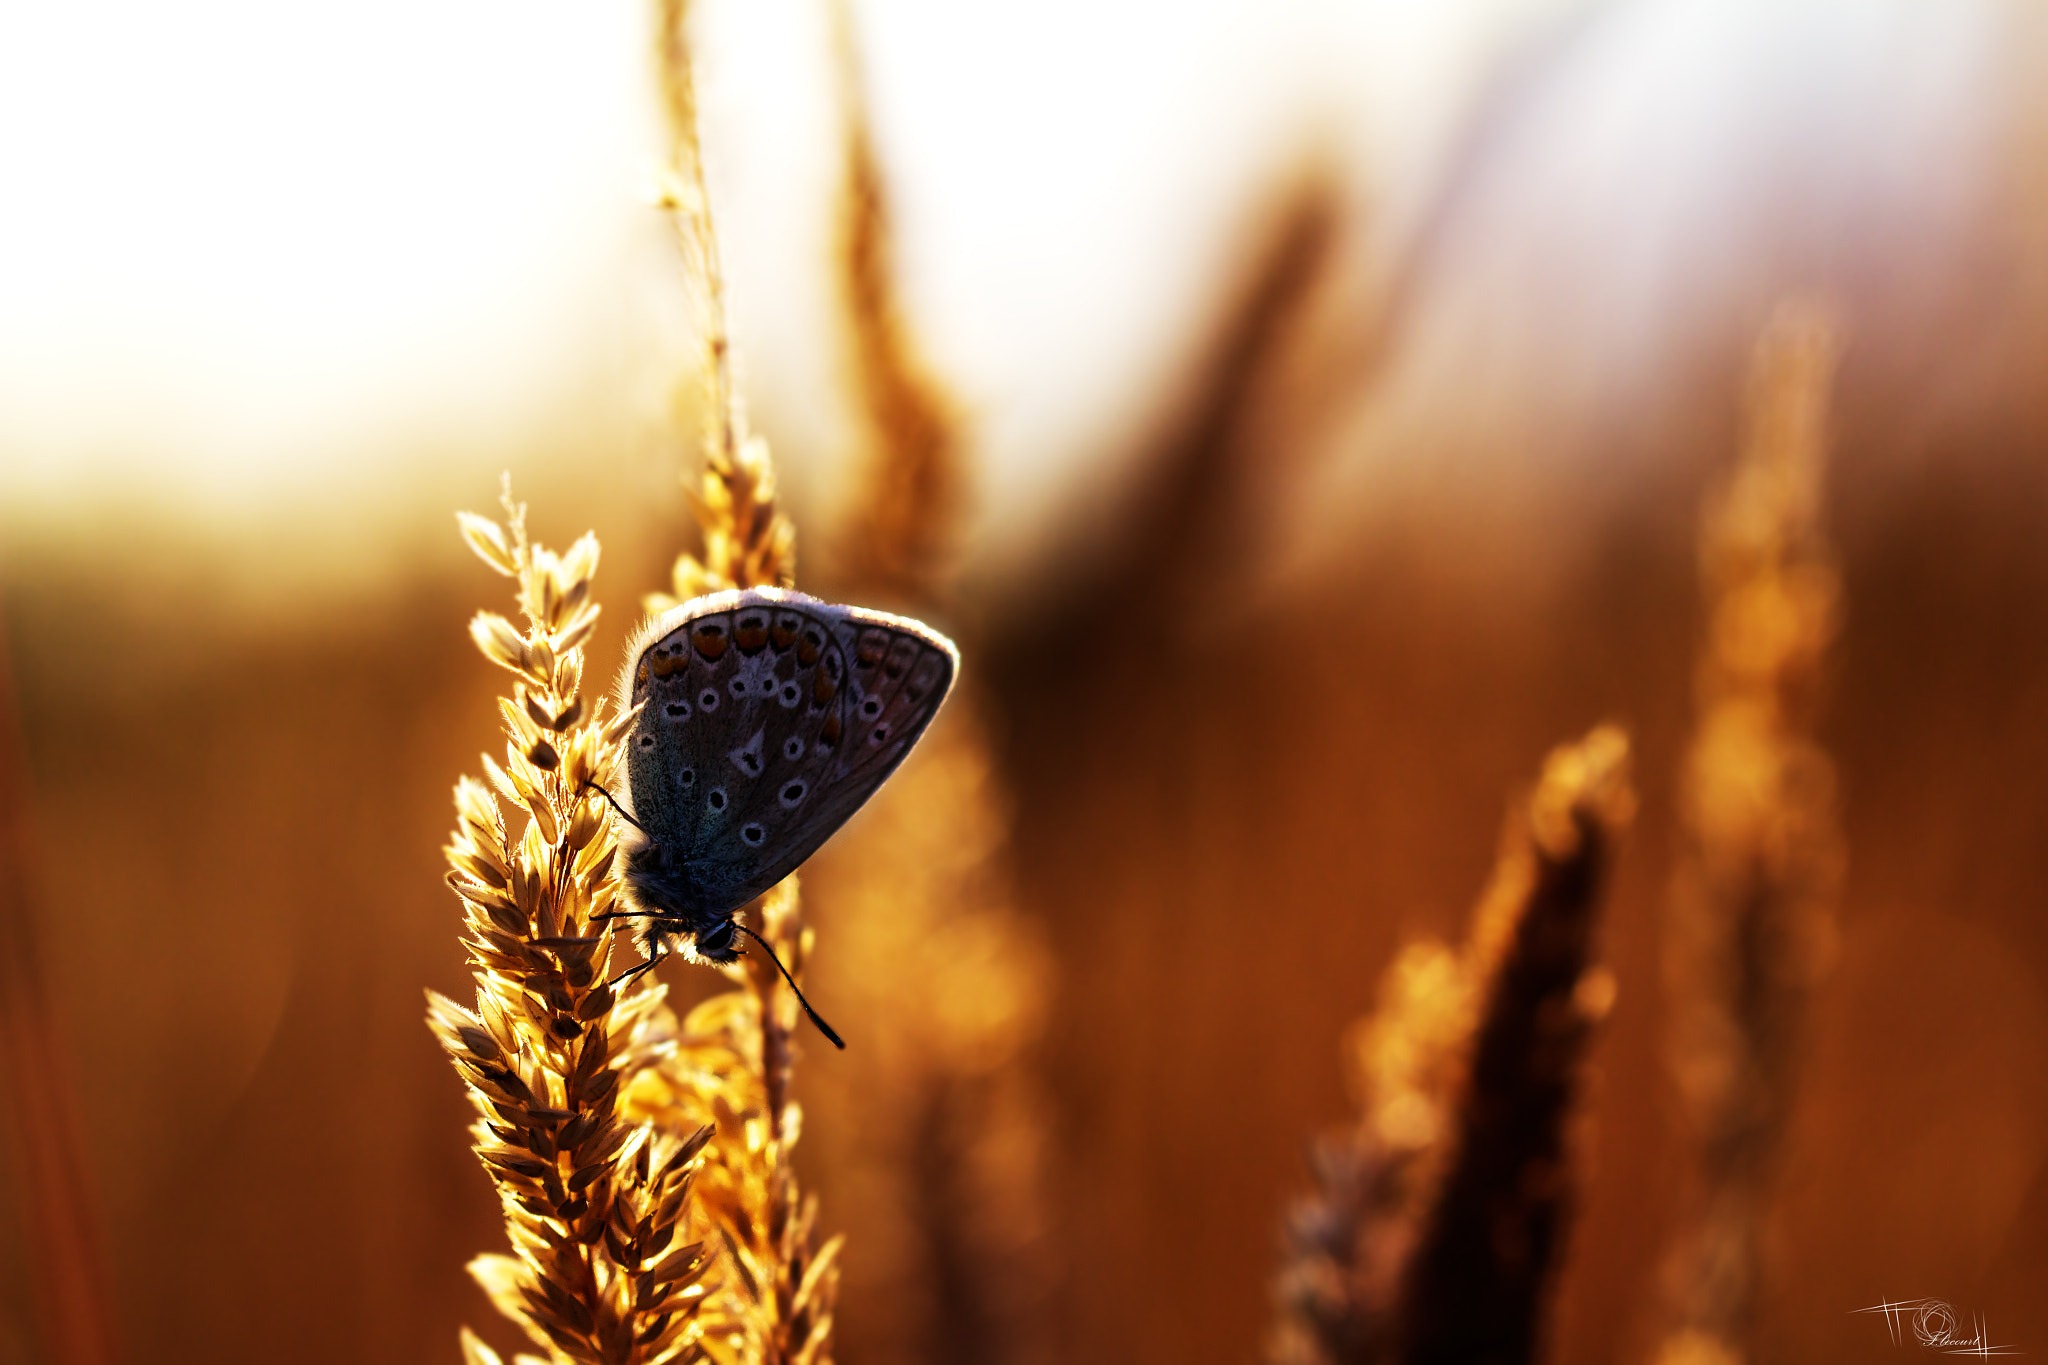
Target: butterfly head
[{"x": 717, "y": 944}]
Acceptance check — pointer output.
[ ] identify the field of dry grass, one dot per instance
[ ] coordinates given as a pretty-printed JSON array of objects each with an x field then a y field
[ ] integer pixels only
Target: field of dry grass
[{"x": 1174, "y": 1032}]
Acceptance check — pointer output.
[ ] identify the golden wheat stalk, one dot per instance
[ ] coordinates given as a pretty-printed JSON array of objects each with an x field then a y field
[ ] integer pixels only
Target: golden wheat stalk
[
  {"x": 725, "y": 1071},
  {"x": 1434, "y": 1231},
  {"x": 593, "y": 1203},
  {"x": 727, "y": 1067},
  {"x": 1750, "y": 920}
]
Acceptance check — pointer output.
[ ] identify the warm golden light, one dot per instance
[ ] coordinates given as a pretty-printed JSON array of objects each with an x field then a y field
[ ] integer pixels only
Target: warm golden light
[{"x": 1304, "y": 416}]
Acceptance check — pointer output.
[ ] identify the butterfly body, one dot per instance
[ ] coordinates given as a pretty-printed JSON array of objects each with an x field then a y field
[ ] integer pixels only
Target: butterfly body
[{"x": 767, "y": 718}]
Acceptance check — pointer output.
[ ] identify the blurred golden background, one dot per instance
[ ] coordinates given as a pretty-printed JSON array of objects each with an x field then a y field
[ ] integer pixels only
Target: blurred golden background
[{"x": 1336, "y": 389}]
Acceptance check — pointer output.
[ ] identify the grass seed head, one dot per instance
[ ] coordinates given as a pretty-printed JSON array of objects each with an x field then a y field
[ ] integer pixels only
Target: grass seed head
[{"x": 592, "y": 1201}]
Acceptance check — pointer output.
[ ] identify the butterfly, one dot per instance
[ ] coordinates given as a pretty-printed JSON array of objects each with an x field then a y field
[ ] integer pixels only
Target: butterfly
[{"x": 767, "y": 718}]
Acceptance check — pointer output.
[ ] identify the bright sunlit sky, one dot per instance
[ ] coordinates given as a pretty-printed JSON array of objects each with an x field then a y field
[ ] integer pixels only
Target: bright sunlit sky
[
  {"x": 256, "y": 255},
  {"x": 259, "y": 256},
  {"x": 248, "y": 246}
]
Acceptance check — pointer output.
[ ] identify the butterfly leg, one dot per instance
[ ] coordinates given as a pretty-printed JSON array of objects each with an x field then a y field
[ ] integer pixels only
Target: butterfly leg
[
  {"x": 660, "y": 951},
  {"x": 619, "y": 982}
]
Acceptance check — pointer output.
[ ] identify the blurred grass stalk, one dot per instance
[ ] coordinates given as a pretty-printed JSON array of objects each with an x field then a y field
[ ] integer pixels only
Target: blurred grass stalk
[
  {"x": 74, "y": 1303},
  {"x": 1434, "y": 1228},
  {"x": 903, "y": 538},
  {"x": 1750, "y": 924},
  {"x": 941, "y": 1143}
]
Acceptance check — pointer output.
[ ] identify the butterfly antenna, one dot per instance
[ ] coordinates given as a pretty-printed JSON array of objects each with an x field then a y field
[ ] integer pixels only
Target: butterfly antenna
[
  {"x": 823, "y": 1027},
  {"x": 589, "y": 786}
]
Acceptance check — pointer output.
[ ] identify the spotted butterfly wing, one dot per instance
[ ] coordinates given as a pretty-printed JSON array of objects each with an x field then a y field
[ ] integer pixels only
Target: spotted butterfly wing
[{"x": 768, "y": 718}]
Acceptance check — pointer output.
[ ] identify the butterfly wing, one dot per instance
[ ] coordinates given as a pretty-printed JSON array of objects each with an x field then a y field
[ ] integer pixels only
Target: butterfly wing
[{"x": 769, "y": 719}]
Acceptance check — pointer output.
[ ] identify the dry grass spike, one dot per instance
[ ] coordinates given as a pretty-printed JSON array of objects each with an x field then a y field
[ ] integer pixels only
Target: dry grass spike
[
  {"x": 596, "y": 1206},
  {"x": 1347, "y": 1245},
  {"x": 727, "y": 1068},
  {"x": 1433, "y": 1231},
  {"x": 748, "y": 541},
  {"x": 725, "y": 1072},
  {"x": 1750, "y": 924}
]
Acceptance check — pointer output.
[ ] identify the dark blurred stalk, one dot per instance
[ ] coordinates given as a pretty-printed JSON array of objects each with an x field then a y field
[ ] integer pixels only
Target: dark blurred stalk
[
  {"x": 903, "y": 535},
  {"x": 1433, "y": 1229},
  {"x": 1479, "y": 1285},
  {"x": 956, "y": 1260},
  {"x": 73, "y": 1305}
]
